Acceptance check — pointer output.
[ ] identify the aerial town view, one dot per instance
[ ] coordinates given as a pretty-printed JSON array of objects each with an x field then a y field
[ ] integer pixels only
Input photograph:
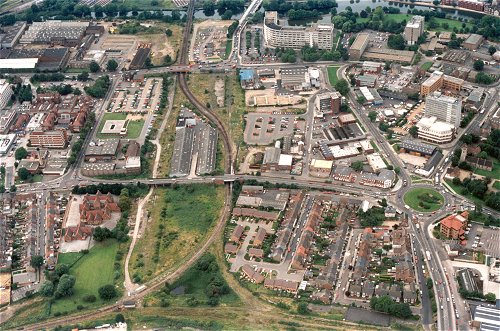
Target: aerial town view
[{"x": 250, "y": 165}]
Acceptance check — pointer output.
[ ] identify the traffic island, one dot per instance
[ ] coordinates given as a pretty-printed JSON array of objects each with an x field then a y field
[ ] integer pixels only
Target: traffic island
[{"x": 423, "y": 199}]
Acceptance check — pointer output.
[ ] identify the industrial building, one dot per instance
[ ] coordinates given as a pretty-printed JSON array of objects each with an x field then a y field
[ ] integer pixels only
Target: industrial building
[
  {"x": 430, "y": 129},
  {"x": 388, "y": 55},
  {"x": 473, "y": 42},
  {"x": 328, "y": 103},
  {"x": 64, "y": 33},
  {"x": 417, "y": 148},
  {"x": 358, "y": 46},
  {"x": 444, "y": 108},
  {"x": 140, "y": 57},
  {"x": 103, "y": 150},
  {"x": 414, "y": 29},
  {"x": 195, "y": 141},
  {"x": 11, "y": 34},
  {"x": 296, "y": 37}
]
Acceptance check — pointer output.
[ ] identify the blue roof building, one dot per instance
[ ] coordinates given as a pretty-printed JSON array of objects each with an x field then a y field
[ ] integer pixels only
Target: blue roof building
[{"x": 247, "y": 78}]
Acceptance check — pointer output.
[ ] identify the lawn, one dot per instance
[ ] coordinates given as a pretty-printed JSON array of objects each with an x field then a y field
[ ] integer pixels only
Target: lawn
[
  {"x": 134, "y": 128},
  {"x": 146, "y": 5},
  {"x": 495, "y": 173},
  {"x": 229, "y": 46},
  {"x": 424, "y": 199},
  {"x": 426, "y": 66},
  {"x": 398, "y": 18},
  {"x": 459, "y": 190},
  {"x": 91, "y": 271},
  {"x": 332, "y": 75},
  {"x": 180, "y": 218},
  {"x": 496, "y": 185}
]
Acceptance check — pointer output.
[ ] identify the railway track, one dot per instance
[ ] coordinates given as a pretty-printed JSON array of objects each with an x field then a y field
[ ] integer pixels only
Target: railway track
[{"x": 168, "y": 277}]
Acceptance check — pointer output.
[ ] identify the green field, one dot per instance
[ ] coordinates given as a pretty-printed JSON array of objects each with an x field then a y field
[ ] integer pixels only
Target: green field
[
  {"x": 426, "y": 66},
  {"x": 495, "y": 173},
  {"x": 180, "y": 218},
  {"x": 496, "y": 185},
  {"x": 459, "y": 190},
  {"x": 398, "y": 18},
  {"x": 332, "y": 74},
  {"x": 134, "y": 128},
  {"x": 91, "y": 271},
  {"x": 423, "y": 199},
  {"x": 146, "y": 5},
  {"x": 229, "y": 46}
]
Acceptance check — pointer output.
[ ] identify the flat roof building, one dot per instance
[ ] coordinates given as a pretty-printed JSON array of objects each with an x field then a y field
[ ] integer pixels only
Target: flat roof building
[
  {"x": 5, "y": 92},
  {"x": 414, "y": 29},
  {"x": 430, "y": 129},
  {"x": 418, "y": 148},
  {"x": 358, "y": 46},
  {"x": 473, "y": 42},
  {"x": 65, "y": 33},
  {"x": 328, "y": 103},
  {"x": 49, "y": 139},
  {"x": 444, "y": 108},
  {"x": 296, "y": 37},
  {"x": 439, "y": 80},
  {"x": 104, "y": 150},
  {"x": 386, "y": 54},
  {"x": 12, "y": 34}
]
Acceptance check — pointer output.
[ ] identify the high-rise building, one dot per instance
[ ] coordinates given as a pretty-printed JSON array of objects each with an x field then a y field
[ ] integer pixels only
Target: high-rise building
[
  {"x": 5, "y": 93},
  {"x": 414, "y": 29},
  {"x": 296, "y": 37},
  {"x": 444, "y": 108},
  {"x": 328, "y": 103}
]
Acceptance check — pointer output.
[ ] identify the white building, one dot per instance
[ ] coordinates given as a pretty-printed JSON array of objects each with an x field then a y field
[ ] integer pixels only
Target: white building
[
  {"x": 296, "y": 37},
  {"x": 430, "y": 129},
  {"x": 444, "y": 108},
  {"x": 376, "y": 162},
  {"x": 414, "y": 29},
  {"x": 5, "y": 93}
]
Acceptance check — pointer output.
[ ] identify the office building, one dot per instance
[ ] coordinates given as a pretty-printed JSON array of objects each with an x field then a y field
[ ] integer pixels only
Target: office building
[
  {"x": 444, "y": 108},
  {"x": 414, "y": 29},
  {"x": 49, "y": 139},
  {"x": 328, "y": 103},
  {"x": 296, "y": 37},
  {"x": 358, "y": 46},
  {"x": 439, "y": 80},
  {"x": 5, "y": 93},
  {"x": 430, "y": 129}
]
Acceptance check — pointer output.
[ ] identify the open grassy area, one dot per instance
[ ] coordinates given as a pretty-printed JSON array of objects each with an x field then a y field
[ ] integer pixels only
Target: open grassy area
[
  {"x": 91, "y": 271},
  {"x": 146, "y": 5},
  {"x": 426, "y": 66},
  {"x": 423, "y": 199},
  {"x": 494, "y": 173},
  {"x": 229, "y": 47},
  {"x": 179, "y": 219},
  {"x": 496, "y": 185},
  {"x": 332, "y": 74},
  {"x": 398, "y": 18},
  {"x": 134, "y": 128}
]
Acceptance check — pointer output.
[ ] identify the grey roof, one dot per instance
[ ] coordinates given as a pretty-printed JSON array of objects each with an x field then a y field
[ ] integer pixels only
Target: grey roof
[
  {"x": 433, "y": 160},
  {"x": 105, "y": 147},
  {"x": 416, "y": 146},
  {"x": 272, "y": 155},
  {"x": 487, "y": 315},
  {"x": 476, "y": 94}
]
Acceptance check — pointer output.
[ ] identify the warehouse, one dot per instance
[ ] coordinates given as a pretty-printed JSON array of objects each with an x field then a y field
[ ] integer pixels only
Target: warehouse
[
  {"x": 388, "y": 55},
  {"x": 293, "y": 78},
  {"x": 64, "y": 33},
  {"x": 358, "y": 47},
  {"x": 473, "y": 42},
  {"x": 103, "y": 150},
  {"x": 140, "y": 58},
  {"x": 13, "y": 64},
  {"x": 12, "y": 34},
  {"x": 417, "y": 148}
]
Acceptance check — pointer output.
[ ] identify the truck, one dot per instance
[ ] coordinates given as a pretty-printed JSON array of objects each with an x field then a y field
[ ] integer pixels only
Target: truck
[
  {"x": 436, "y": 179},
  {"x": 428, "y": 255}
]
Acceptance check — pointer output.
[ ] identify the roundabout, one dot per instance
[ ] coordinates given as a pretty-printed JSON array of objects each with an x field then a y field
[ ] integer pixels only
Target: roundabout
[{"x": 423, "y": 199}]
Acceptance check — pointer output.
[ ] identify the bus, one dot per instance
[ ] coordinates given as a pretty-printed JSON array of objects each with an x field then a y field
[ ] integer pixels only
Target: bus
[{"x": 428, "y": 255}]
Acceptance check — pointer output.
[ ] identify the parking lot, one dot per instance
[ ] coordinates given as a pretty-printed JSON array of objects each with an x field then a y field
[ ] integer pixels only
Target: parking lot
[
  {"x": 265, "y": 129},
  {"x": 136, "y": 97},
  {"x": 488, "y": 239},
  {"x": 209, "y": 44}
]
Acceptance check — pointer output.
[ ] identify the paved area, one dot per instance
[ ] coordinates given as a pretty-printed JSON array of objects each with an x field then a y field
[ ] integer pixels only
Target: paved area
[
  {"x": 264, "y": 129},
  {"x": 484, "y": 270},
  {"x": 76, "y": 245}
]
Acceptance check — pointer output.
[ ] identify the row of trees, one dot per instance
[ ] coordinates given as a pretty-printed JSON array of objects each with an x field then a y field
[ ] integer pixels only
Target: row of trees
[
  {"x": 387, "y": 305},
  {"x": 99, "y": 88}
]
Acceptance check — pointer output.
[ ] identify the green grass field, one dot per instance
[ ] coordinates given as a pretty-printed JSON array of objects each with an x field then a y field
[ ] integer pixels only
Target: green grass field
[
  {"x": 180, "y": 218},
  {"x": 423, "y": 199},
  {"x": 332, "y": 75},
  {"x": 496, "y": 185},
  {"x": 426, "y": 66},
  {"x": 398, "y": 18},
  {"x": 146, "y": 5},
  {"x": 134, "y": 128},
  {"x": 91, "y": 271},
  {"x": 229, "y": 46},
  {"x": 495, "y": 173}
]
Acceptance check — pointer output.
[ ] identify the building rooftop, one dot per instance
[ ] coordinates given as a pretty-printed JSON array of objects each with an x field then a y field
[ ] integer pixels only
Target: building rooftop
[
  {"x": 247, "y": 74},
  {"x": 361, "y": 39},
  {"x": 104, "y": 147},
  {"x": 418, "y": 146}
]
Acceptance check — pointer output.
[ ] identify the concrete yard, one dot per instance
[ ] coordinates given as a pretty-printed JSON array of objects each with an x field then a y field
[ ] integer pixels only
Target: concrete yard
[{"x": 264, "y": 129}]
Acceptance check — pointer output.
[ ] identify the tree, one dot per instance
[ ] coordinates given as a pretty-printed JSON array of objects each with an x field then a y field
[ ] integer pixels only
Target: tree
[
  {"x": 62, "y": 269},
  {"x": 47, "y": 288},
  {"x": 23, "y": 173},
  {"x": 107, "y": 292},
  {"x": 21, "y": 153},
  {"x": 490, "y": 297},
  {"x": 342, "y": 86},
  {"x": 479, "y": 65},
  {"x": 101, "y": 234},
  {"x": 65, "y": 286},
  {"x": 36, "y": 261},
  {"x": 112, "y": 65},
  {"x": 94, "y": 67},
  {"x": 83, "y": 77},
  {"x": 492, "y": 50},
  {"x": 456, "y": 181},
  {"x": 357, "y": 166},
  {"x": 361, "y": 100},
  {"x": 302, "y": 308},
  {"x": 396, "y": 41},
  {"x": 77, "y": 91},
  {"x": 413, "y": 131},
  {"x": 372, "y": 116},
  {"x": 119, "y": 318},
  {"x": 168, "y": 32}
]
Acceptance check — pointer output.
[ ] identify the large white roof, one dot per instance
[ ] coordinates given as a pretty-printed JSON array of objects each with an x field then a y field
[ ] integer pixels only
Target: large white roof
[{"x": 28, "y": 63}]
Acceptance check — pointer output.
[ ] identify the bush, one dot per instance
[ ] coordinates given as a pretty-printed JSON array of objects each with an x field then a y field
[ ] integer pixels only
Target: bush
[
  {"x": 89, "y": 298},
  {"x": 107, "y": 292}
]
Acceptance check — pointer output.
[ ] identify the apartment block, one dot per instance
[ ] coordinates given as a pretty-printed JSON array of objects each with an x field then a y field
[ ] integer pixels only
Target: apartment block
[
  {"x": 414, "y": 29},
  {"x": 444, "y": 108}
]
